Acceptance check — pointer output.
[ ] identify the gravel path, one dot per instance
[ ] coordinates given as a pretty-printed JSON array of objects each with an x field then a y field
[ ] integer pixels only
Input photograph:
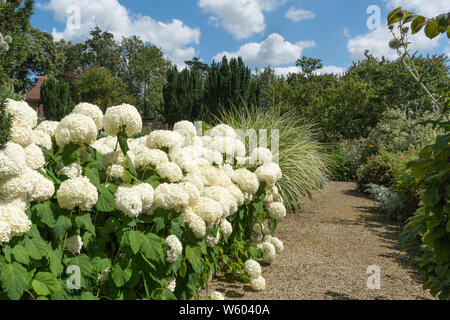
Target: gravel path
[{"x": 329, "y": 244}]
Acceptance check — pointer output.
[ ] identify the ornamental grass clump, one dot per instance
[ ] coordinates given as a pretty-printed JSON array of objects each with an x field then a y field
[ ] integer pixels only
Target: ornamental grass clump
[
  {"x": 303, "y": 161},
  {"x": 141, "y": 218}
]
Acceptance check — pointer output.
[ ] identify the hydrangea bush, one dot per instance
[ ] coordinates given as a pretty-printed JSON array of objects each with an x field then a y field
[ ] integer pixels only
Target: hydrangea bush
[{"x": 83, "y": 217}]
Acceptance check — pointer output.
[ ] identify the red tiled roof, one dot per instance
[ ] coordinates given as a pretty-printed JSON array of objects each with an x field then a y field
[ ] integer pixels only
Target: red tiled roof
[{"x": 35, "y": 93}]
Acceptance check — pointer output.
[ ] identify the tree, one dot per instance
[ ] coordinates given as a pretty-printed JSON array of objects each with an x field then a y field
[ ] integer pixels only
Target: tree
[
  {"x": 143, "y": 68},
  {"x": 309, "y": 65},
  {"x": 183, "y": 96},
  {"x": 56, "y": 99},
  {"x": 103, "y": 51},
  {"x": 15, "y": 23},
  {"x": 196, "y": 65},
  {"x": 229, "y": 85},
  {"x": 98, "y": 86}
]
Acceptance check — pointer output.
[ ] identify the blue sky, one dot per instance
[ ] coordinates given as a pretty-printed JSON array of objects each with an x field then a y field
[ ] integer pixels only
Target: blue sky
[{"x": 263, "y": 32}]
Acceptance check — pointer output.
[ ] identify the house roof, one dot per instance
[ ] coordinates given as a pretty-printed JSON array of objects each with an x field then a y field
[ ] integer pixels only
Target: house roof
[{"x": 35, "y": 93}]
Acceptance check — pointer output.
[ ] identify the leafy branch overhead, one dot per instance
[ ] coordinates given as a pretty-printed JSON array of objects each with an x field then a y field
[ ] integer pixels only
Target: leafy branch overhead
[{"x": 433, "y": 26}]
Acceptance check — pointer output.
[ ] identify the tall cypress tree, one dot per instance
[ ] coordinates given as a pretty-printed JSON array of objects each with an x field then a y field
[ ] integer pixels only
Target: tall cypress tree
[{"x": 56, "y": 99}]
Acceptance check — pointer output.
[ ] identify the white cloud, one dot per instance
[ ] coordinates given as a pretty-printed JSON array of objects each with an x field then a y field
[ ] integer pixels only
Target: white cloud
[
  {"x": 284, "y": 71},
  {"x": 174, "y": 37},
  {"x": 298, "y": 15},
  {"x": 241, "y": 18},
  {"x": 429, "y": 8},
  {"x": 273, "y": 51},
  {"x": 377, "y": 42}
]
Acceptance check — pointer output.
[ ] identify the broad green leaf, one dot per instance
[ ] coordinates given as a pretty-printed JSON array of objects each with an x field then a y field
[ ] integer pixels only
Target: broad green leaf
[
  {"x": 121, "y": 275},
  {"x": 106, "y": 201},
  {"x": 36, "y": 248},
  {"x": 442, "y": 251},
  {"x": 417, "y": 24},
  {"x": 45, "y": 284},
  {"x": 152, "y": 247},
  {"x": 193, "y": 255},
  {"x": 14, "y": 279},
  {"x": 432, "y": 197},
  {"x": 93, "y": 175},
  {"x": 86, "y": 296},
  {"x": 432, "y": 29},
  {"x": 175, "y": 229},
  {"x": 55, "y": 259},
  {"x": 183, "y": 269},
  {"x": 71, "y": 153},
  {"x": 85, "y": 222},
  {"x": 45, "y": 213},
  {"x": 62, "y": 226},
  {"x": 111, "y": 225},
  {"x": 20, "y": 254},
  {"x": 132, "y": 239},
  {"x": 7, "y": 252}
]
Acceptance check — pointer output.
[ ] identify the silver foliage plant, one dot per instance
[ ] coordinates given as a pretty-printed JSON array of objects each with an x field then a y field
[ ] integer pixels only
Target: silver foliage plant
[{"x": 388, "y": 201}]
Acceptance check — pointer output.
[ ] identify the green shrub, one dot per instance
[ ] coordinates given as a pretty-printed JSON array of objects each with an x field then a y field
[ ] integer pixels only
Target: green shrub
[
  {"x": 303, "y": 161},
  {"x": 377, "y": 170},
  {"x": 397, "y": 131},
  {"x": 347, "y": 157},
  {"x": 388, "y": 201},
  {"x": 403, "y": 182}
]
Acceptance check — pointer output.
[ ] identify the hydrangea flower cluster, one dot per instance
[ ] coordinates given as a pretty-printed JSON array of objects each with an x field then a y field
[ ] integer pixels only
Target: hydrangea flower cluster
[
  {"x": 4, "y": 40},
  {"x": 197, "y": 176}
]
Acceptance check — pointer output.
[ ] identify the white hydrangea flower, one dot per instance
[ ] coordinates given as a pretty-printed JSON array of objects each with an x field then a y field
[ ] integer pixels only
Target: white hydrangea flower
[
  {"x": 222, "y": 195},
  {"x": 226, "y": 227},
  {"x": 279, "y": 246},
  {"x": 222, "y": 130},
  {"x": 269, "y": 173},
  {"x": 48, "y": 127},
  {"x": 71, "y": 171},
  {"x": 258, "y": 284},
  {"x": 277, "y": 210},
  {"x": 147, "y": 194},
  {"x": 91, "y": 111},
  {"x": 192, "y": 191},
  {"x": 43, "y": 139},
  {"x": 172, "y": 284},
  {"x": 118, "y": 172},
  {"x": 260, "y": 156},
  {"x": 195, "y": 179},
  {"x": 170, "y": 196},
  {"x": 77, "y": 129},
  {"x": 13, "y": 160},
  {"x": 209, "y": 210},
  {"x": 18, "y": 187},
  {"x": 35, "y": 157},
  {"x": 129, "y": 201},
  {"x": 211, "y": 240},
  {"x": 252, "y": 268},
  {"x": 212, "y": 156},
  {"x": 176, "y": 248},
  {"x": 269, "y": 252},
  {"x": 77, "y": 192},
  {"x": 123, "y": 115},
  {"x": 21, "y": 111},
  {"x": 74, "y": 244},
  {"x": 187, "y": 130},
  {"x": 165, "y": 139},
  {"x": 195, "y": 223},
  {"x": 272, "y": 195},
  {"x": 13, "y": 221},
  {"x": 236, "y": 193},
  {"x": 146, "y": 158},
  {"x": 213, "y": 176},
  {"x": 246, "y": 180},
  {"x": 170, "y": 171},
  {"x": 217, "y": 296},
  {"x": 43, "y": 188},
  {"x": 21, "y": 134}
]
